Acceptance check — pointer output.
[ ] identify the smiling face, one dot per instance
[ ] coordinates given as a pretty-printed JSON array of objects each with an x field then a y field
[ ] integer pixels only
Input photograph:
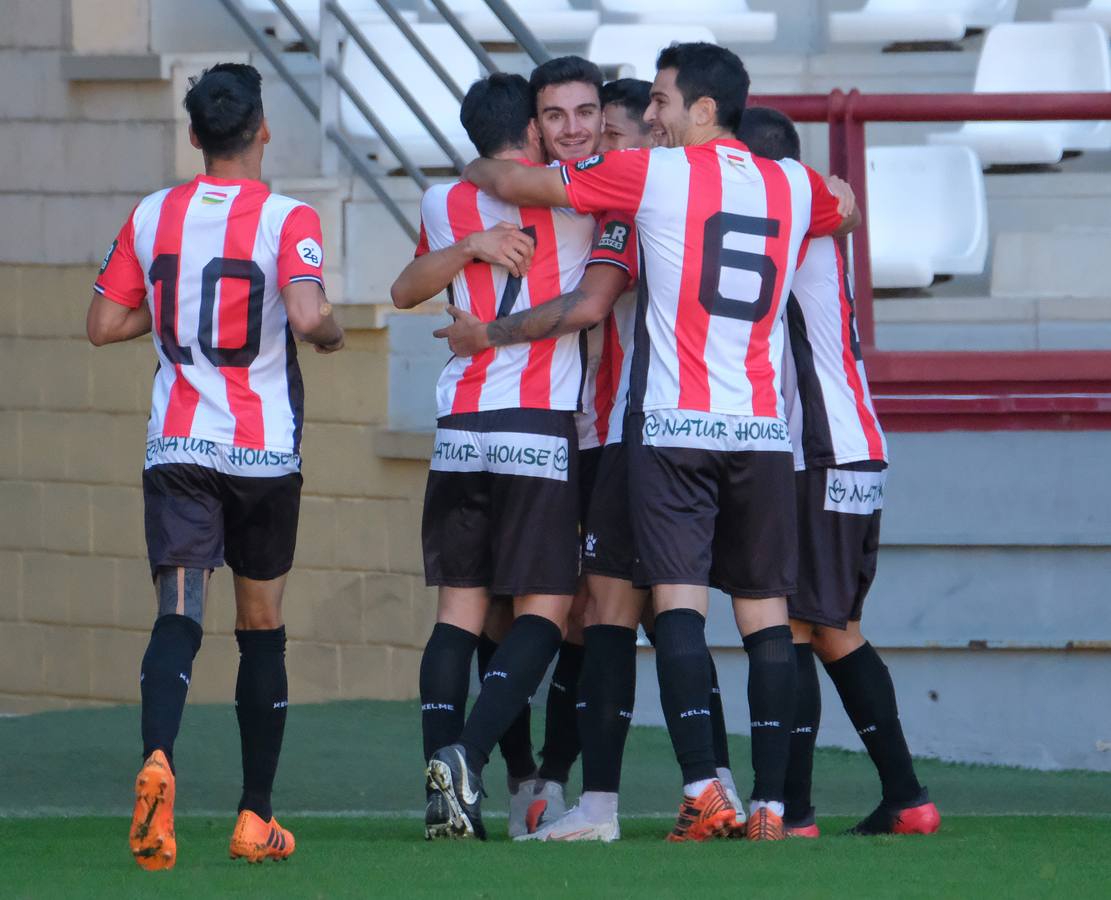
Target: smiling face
[
  {"x": 667, "y": 115},
  {"x": 622, "y": 131},
  {"x": 570, "y": 119}
]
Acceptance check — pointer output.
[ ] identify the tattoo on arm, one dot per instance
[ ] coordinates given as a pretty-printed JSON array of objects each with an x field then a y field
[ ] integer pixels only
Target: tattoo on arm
[{"x": 548, "y": 320}]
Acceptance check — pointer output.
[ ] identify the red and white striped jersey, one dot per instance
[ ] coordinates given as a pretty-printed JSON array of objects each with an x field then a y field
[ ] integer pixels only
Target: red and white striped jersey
[
  {"x": 609, "y": 343},
  {"x": 829, "y": 407},
  {"x": 720, "y": 232},
  {"x": 546, "y": 374},
  {"x": 210, "y": 257}
]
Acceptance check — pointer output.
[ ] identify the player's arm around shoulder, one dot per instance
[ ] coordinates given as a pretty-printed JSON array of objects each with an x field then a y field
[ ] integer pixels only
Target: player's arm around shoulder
[
  {"x": 585, "y": 306},
  {"x": 521, "y": 185}
]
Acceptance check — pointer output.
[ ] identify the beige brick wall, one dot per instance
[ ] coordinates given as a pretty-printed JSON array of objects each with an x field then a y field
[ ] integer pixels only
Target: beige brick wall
[{"x": 76, "y": 603}]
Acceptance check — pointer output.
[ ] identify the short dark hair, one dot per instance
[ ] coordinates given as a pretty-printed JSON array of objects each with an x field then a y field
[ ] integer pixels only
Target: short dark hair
[
  {"x": 496, "y": 112},
  {"x": 707, "y": 70},
  {"x": 225, "y": 108},
  {"x": 769, "y": 133},
  {"x": 631, "y": 94},
  {"x": 562, "y": 70}
]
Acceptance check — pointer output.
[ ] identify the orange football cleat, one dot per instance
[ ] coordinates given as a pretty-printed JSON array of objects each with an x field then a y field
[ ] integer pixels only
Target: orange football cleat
[
  {"x": 804, "y": 831},
  {"x": 708, "y": 816},
  {"x": 152, "y": 838},
  {"x": 923, "y": 819},
  {"x": 255, "y": 840},
  {"x": 764, "y": 825}
]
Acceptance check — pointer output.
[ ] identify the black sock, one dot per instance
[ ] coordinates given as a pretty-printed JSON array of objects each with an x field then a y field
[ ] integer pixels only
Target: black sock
[
  {"x": 261, "y": 703},
  {"x": 717, "y": 720},
  {"x": 864, "y": 683},
  {"x": 445, "y": 675},
  {"x": 164, "y": 681},
  {"x": 651, "y": 636},
  {"x": 771, "y": 703},
  {"x": 804, "y": 734},
  {"x": 513, "y": 676},
  {"x": 516, "y": 743},
  {"x": 561, "y": 728},
  {"x": 606, "y": 696},
  {"x": 683, "y": 667}
]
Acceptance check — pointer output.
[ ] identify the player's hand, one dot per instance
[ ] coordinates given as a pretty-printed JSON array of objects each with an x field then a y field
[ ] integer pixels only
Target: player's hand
[
  {"x": 842, "y": 190},
  {"x": 503, "y": 245},
  {"x": 337, "y": 344},
  {"x": 466, "y": 336}
]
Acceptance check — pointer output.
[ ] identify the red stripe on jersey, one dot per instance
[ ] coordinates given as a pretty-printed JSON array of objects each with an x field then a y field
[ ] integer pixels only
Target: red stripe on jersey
[
  {"x": 182, "y": 404},
  {"x": 543, "y": 285},
  {"x": 609, "y": 376},
  {"x": 692, "y": 319},
  {"x": 758, "y": 363},
  {"x": 852, "y": 371},
  {"x": 239, "y": 243},
  {"x": 464, "y": 218}
]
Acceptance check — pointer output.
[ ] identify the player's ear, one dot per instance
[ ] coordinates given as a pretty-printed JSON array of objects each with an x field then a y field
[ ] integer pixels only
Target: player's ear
[
  {"x": 704, "y": 112},
  {"x": 264, "y": 131},
  {"x": 193, "y": 138}
]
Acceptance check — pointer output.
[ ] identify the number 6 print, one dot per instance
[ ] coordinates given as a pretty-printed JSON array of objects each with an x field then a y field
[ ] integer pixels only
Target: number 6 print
[{"x": 716, "y": 257}]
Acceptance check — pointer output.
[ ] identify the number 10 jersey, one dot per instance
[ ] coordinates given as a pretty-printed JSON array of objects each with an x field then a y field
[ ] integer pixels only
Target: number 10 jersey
[
  {"x": 546, "y": 374},
  {"x": 720, "y": 231},
  {"x": 211, "y": 257}
]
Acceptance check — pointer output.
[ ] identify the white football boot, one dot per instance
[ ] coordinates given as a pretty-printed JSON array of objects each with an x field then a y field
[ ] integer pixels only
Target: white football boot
[
  {"x": 519, "y": 802},
  {"x": 574, "y": 826},
  {"x": 547, "y": 805}
]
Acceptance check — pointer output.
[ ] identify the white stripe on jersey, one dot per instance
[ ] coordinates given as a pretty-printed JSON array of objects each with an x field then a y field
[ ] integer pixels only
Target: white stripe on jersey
[
  {"x": 830, "y": 412},
  {"x": 498, "y": 379}
]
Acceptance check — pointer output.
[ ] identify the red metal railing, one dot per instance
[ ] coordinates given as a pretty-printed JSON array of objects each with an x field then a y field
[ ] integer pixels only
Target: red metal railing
[{"x": 936, "y": 391}]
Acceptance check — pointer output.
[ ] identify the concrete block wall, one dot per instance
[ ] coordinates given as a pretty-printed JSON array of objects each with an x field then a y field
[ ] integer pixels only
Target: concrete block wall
[{"x": 76, "y": 603}]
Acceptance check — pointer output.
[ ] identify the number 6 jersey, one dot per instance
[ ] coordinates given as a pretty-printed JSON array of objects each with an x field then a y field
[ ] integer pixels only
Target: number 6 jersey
[
  {"x": 546, "y": 374},
  {"x": 720, "y": 232},
  {"x": 211, "y": 257}
]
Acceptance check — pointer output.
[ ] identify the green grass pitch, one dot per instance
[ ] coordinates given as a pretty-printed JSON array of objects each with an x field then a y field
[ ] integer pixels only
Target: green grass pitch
[{"x": 350, "y": 788}]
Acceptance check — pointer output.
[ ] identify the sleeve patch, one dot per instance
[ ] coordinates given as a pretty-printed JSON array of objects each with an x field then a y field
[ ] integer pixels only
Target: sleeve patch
[
  {"x": 310, "y": 252},
  {"x": 108, "y": 256},
  {"x": 615, "y": 236},
  {"x": 590, "y": 162}
]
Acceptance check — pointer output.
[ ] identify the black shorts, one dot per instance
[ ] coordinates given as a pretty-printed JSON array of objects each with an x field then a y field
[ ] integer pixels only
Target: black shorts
[
  {"x": 198, "y": 518},
  {"x": 725, "y": 519},
  {"x": 501, "y": 509},
  {"x": 589, "y": 460},
  {"x": 839, "y": 536},
  {"x": 608, "y": 545}
]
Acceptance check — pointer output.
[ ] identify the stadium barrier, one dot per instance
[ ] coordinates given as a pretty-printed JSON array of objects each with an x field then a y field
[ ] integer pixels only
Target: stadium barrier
[{"x": 966, "y": 390}]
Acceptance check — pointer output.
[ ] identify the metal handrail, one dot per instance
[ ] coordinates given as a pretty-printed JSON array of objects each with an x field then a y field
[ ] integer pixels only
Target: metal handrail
[
  {"x": 295, "y": 20},
  {"x": 519, "y": 30},
  {"x": 403, "y": 92},
  {"x": 465, "y": 36},
  {"x": 847, "y": 114},
  {"x": 373, "y": 182},
  {"x": 399, "y": 20}
]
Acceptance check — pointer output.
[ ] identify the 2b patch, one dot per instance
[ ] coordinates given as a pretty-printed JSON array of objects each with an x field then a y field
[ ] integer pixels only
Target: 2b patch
[
  {"x": 614, "y": 237},
  {"x": 590, "y": 162}
]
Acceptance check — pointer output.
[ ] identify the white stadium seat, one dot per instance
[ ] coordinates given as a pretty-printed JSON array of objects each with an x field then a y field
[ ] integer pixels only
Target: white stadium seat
[
  {"x": 731, "y": 20},
  {"x": 886, "y": 21},
  {"x": 1098, "y": 11},
  {"x": 435, "y": 98},
  {"x": 927, "y": 214},
  {"x": 632, "y": 49},
  {"x": 264, "y": 14},
  {"x": 549, "y": 20},
  {"x": 1037, "y": 57}
]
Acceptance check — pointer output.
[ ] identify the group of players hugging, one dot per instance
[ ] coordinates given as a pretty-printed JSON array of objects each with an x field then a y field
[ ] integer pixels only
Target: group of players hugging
[{"x": 656, "y": 388}]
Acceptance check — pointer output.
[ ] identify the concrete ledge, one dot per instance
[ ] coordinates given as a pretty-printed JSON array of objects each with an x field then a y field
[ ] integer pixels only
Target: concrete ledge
[
  {"x": 115, "y": 67},
  {"x": 403, "y": 444}
]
